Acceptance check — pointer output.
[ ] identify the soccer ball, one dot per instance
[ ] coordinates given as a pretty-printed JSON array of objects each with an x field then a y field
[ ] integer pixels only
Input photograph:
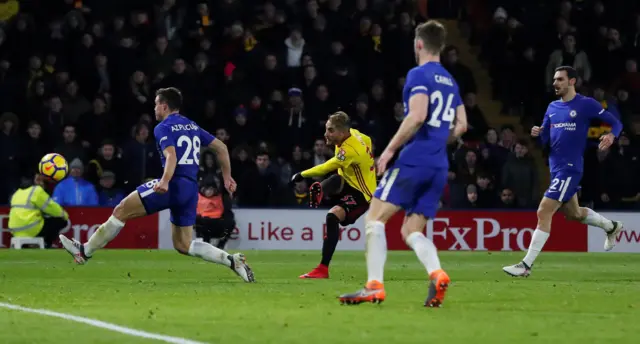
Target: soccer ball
[{"x": 54, "y": 166}]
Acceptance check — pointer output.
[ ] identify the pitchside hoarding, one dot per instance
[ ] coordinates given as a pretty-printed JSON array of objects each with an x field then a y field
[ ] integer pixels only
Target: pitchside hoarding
[{"x": 278, "y": 229}]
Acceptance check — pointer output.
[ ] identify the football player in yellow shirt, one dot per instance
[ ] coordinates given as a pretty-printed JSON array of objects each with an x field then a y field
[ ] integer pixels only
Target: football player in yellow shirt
[{"x": 351, "y": 189}]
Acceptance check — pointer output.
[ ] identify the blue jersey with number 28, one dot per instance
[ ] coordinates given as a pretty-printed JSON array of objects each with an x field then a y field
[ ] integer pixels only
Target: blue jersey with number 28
[
  {"x": 182, "y": 197},
  {"x": 187, "y": 138},
  {"x": 429, "y": 144}
]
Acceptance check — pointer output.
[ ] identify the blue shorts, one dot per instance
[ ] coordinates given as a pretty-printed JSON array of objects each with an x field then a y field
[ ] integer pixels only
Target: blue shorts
[
  {"x": 564, "y": 184},
  {"x": 181, "y": 200},
  {"x": 416, "y": 189}
]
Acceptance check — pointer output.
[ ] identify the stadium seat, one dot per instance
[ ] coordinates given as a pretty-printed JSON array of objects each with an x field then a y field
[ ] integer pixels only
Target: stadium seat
[{"x": 17, "y": 242}]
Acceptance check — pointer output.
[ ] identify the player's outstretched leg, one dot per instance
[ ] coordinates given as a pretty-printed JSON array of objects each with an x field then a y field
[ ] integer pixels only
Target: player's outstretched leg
[
  {"x": 375, "y": 253},
  {"x": 545, "y": 212},
  {"x": 337, "y": 214},
  {"x": 573, "y": 211},
  {"x": 129, "y": 208},
  {"x": 329, "y": 244},
  {"x": 236, "y": 262},
  {"x": 428, "y": 255}
]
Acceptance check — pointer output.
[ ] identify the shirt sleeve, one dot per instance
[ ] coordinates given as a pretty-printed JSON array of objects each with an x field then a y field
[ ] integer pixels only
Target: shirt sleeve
[
  {"x": 206, "y": 137},
  {"x": 596, "y": 111},
  {"x": 163, "y": 137},
  {"x": 343, "y": 159},
  {"x": 416, "y": 83},
  {"x": 545, "y": 134},
  {"x": 46, "y": 204}
]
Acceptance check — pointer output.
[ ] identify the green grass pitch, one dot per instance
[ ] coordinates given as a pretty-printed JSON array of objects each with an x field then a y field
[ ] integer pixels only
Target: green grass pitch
[{"x": 569, "y": 298}]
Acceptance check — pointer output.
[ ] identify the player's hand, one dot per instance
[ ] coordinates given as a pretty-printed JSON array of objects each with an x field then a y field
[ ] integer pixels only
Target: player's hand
[
  {"x": 535, "y": 131},
  {"x": 296, "y": 178},
  {"x": 161, "y": 187},
  {"x": 383, "y": 160},
  {"x": 230, "y": 185},
  {"x": 606, "y": 141}
]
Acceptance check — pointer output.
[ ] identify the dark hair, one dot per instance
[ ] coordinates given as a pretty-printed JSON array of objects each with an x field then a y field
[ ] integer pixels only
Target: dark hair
[
  {"x": 571, "y": 72},
  {"x": 263, "y": 153},
  {"x": 170, "y": 96},
  {"x": 433, "y": 34},
  {"x": 523, "y": 142}
]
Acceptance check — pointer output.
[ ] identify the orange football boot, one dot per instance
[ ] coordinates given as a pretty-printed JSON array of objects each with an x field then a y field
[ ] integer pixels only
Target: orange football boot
[
  {"x": 437, "y": 288},
  {"x": 373, "y": 292}
]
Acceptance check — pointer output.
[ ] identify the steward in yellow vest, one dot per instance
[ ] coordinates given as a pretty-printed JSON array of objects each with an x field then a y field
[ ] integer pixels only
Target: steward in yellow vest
[{"x": 34, "y": 213}]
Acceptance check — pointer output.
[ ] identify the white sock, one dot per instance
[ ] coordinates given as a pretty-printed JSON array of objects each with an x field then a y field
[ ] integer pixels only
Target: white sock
[
  {"x": 101, "y": 237},
  {"x": 537, "y": 243},
  {"x": 425, "y": 250},
  {"x": 376, "y": 250},
  {"x": 209, "y": 253},
  {"x": 595, "y": 219}
]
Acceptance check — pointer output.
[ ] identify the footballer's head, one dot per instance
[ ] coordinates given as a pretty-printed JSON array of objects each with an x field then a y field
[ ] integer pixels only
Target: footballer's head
[
  {"x": 564, "y": 80},
  {"x": 430, "y": 38},
  {"x": 168, "y": 101},
  {"x": 337, "y": 128}
]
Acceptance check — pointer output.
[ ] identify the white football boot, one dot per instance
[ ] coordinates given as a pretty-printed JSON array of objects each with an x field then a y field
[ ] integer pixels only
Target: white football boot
[
  {"x": 519, "y": 270},
  {"x": 610, "y": 241},
  {"x": 240, "y": 267},
  {"x": 75, "y": 249}
]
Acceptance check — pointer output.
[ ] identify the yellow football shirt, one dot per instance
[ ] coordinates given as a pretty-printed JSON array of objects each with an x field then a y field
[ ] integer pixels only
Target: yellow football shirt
[{"x": 355, "y": 163}]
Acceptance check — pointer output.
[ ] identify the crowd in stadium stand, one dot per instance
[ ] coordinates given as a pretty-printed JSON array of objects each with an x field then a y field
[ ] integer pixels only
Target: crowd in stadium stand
[{"x": 78, "y": 77}]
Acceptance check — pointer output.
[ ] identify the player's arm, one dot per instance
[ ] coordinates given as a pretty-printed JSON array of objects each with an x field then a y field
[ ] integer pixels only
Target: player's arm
[
  {"x": 418, "y": 106},
  {"x": 343, "y": 159},
  {"x": 323, "y": 169},
  {"x": 545, "y": 130},
  {"x": 168, "y": 147},
  {"x": 171, "y": 161},
  {"x": 461, "y": 122},
  {"x": 222, "y": 154},
  {"x": 609, "y": 118}
]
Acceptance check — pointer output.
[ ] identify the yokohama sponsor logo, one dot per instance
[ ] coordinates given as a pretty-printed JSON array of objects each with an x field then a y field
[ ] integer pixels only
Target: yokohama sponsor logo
[{"x": 491, "y": 231}]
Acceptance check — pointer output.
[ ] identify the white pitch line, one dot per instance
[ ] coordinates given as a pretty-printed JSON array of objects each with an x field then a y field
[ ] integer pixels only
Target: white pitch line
[{"x": 102, "y": 324}]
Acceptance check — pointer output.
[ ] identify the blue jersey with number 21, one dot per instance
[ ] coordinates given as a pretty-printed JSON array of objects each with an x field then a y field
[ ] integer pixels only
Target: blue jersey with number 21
[
  {"x": 418, "y": 177},
  {"x": 182, "y": 198}
]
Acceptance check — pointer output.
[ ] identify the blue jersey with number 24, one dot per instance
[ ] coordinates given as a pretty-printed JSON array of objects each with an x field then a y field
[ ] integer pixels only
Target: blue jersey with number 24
[
  {"x": 182, "y": 197},
  {"x": 418, "y": 177},
  {"x": 428, "y": 147}
]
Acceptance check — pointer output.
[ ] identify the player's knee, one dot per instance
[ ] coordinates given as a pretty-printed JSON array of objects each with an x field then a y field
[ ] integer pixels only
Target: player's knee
[
  {"x": 574, "y": 214},
  {"x": 332, "y": 222},
  {"x": 338, "y": 213},
  {"x": 543, "y": 214},
  {"x": 181, "y": 246},
  {"x": 120, "y": 210}
]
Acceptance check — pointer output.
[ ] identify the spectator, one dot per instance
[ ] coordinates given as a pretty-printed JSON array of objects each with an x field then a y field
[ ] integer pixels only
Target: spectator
[
  {"x": 260, "y": 183},
  {"x": 507, "y": 199},
  {"x": 107, "y": 160},
  {"x": 75, "y": 190},
  {"x": 70, "y": 148},
  {"x": 141, "y": 157},
  {"x": 9, "y": 154},
  {"x": 520, "y": 175},
  {"x": 296, "y": 198},
  {"x": 109, "y": 195},
  {"x": 568, "y": 56}
]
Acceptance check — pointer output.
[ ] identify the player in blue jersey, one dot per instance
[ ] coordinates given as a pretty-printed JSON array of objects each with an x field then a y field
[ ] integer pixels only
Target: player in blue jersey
[
  {"x": 565, "y": 127},
  {"x": 416, "y": 180},
  {"x": 179, "y": 141}
]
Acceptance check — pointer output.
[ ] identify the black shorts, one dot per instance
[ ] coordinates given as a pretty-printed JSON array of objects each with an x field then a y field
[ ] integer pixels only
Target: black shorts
[{"x": 353, "y": 202}]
